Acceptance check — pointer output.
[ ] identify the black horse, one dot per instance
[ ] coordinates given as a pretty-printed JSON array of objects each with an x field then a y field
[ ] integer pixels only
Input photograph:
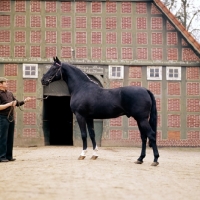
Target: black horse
[{"x": 90, "y": 101}]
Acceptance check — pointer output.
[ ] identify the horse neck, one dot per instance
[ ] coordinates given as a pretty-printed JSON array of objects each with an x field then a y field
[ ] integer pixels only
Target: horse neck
[{"x": 75, "y": 78}]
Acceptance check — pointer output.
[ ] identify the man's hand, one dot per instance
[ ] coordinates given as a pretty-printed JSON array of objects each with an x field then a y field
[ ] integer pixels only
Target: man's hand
[
  {"x": 27, "y": 99},
  {"x": 13, "y": 103}
]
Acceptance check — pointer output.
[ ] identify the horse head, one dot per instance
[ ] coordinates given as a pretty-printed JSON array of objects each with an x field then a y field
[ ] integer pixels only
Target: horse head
[{"x": 53, "y": 74}]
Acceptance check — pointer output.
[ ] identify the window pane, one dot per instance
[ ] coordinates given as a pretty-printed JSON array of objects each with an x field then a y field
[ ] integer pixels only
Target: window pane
[
  {"x": 27, "y": 68},
  {"x": 27, "y": 73},
  {"x": 33, "y": 73}
]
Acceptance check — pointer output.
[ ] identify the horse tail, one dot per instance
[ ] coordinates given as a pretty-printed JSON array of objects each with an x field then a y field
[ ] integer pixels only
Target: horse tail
[{"x": 153, "y": 115}]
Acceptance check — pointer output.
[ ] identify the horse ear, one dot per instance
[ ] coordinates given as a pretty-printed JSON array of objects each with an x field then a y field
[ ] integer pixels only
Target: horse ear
[
  {"x": 57, "y": 60},
  {"x": 54, "y": 59}
]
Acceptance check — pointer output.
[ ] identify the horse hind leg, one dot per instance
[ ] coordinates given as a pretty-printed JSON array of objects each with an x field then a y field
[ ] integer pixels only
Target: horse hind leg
[
  {"x": 146, "y": 131},
  {"x": 90, "y": 125}
]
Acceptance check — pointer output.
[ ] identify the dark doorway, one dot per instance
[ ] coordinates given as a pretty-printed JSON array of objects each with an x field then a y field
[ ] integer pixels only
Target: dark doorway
[{"x": 58, "y": 120}]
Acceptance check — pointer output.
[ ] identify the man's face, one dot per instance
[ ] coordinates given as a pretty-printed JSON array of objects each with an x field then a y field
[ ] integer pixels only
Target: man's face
[{"x": 3, "y": 85}]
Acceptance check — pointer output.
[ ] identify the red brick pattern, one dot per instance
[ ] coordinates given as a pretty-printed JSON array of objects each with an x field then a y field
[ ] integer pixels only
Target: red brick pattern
[
  {"x": 81, "y": 37},
  {"x": 4, "y": 36},
  {"x": 20, "y": 36},
  {"x": 50, "y": 6},
  {"x": 66, "y": 52},
  {"x": 116, "y": 121},
  {"x": 192, "y": 73},
  {"x": 35, "y": 5},
  {"x": 111, "y": 38},
  {"x": 134, "y": 135},
  {"x": 193, "y": 135},
  {"x": 193, "y": 121},
  {"x": 20, "y": 6},
  {"x": 156, "y": 23},
  {"x": 96, "y": 53},
  {"x": 50, "y": 22},
  {"x": 96, "y": 7},
  {"x": 31, "y": 104},
  {"x": 142, "y": 38},
  {"x": 174, "y": 135},
  {"x": 116, "y": 84},
  {"x": 155, "y": 87},
  {"x": 135, "y": 83},
  {"x": 5, "y": 6},
  {"x": 157, "y": 53},
  {"x": 111, "y": 7},
  {"x": 4, "y": 20},
  {"x": 126, "y": 7},
  {"x": 142, "y": 53},
  {"x": 30, "y": 133},
  {"x": 156, "y": 38},
  {"x": 111, "y": 22},
  {"x": 135, "y": 72},
  {"x": 184, "y": 43},
  {"x": 20, "y": 51},
  {"x": 158, "y": 104},
  {"x": 159, "y": 121},
  {"x": 12, "y": 86},
  {"x": 20, "y": 21},
  {"x": 66, "y": 37},
  {"x": 29, "y": 118},
  {"x": 174, "y": 120},
  {"x": 81, "y": 52},
  {"x": 11, "y": 69},
  {"x": 170, "y": 27},
  {"x": 35, "y": 21},
  {"x": 35, "y": 51},
  {"x": 126, "y": 23},
  {"x": 189, "y": 55},
  {"x": 127, "y": 53},
  {"x": 115, "y": 134},
  {"x": 81, "y": 22},
  {"x": 81, "y": 7},
  {"x": 96, "y": 38},
  {"x": 96, "y": 22},
  {"x": 50, "y": 52},
  {"x": 132, "y": 122},
  {"x": 66, "y": 7},
  {"x": 4, "y": 51},
  {"x": 173, "y": 88},
  {"x": 111, "y": 53},
  {"x": 141, "y": 23},
  {"x": 193, "y": 105},
  {"x": 172, "y": 54},
  {"x": 35, "y": 36},
  {"x": 173, "y": 105},
  {"x": 141, "y": 8},
  {"x": 172, "y": 38},
  {"x": 66, "y": 22},
  {"x": 192, "y": 88},
  {"x": 30, "y": 86},
  {"x": 126, "y": 38},
  {"x": 154, "y": 10},
  {"x": 51, "y": 37}
]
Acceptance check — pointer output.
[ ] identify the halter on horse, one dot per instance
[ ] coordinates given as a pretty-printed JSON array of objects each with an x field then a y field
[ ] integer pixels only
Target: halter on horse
[{"x": 89, "y": 101}]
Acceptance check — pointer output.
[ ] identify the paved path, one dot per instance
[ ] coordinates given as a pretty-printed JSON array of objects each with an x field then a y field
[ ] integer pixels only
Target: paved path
[{"x": 55, "y": 173}]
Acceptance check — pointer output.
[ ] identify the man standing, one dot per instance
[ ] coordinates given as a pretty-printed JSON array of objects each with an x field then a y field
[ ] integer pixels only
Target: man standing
[{"x": 7, "y": 122}]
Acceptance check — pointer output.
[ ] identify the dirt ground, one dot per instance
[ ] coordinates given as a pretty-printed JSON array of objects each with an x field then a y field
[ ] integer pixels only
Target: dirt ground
[{"x": 55, "y": 173}]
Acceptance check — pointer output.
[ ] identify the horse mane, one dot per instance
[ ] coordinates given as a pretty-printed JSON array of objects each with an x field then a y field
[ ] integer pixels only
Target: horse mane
[{"x": 76, "y": 68}]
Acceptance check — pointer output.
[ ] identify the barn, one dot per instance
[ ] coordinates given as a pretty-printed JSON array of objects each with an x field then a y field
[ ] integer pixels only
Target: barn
[{"x": 117, "y": 43}]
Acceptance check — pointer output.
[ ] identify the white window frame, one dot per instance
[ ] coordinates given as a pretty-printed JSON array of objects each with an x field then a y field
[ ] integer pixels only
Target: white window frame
[
  {"x": 25, "y": 69},
  {"x": 159, "y": 77},
  {"x": 110, "y": 74},
  {"x": 173, "y": 78}
]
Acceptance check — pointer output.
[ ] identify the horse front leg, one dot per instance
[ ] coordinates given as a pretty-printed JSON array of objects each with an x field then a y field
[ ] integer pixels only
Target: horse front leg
[
  {"x": 90, "y": 125},
  {"x": 82, "y": 125}
]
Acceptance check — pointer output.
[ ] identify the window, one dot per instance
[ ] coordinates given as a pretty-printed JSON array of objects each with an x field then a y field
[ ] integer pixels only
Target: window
[
  {"x": 116, "y": 72},
  {"x": 173, "y": 73},
  {"x": 154, "y": 73},
  {"x": 30, "y": 70}
]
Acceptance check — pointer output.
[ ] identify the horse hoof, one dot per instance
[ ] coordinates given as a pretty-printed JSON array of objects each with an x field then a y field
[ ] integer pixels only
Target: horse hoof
[
  {"x": 81, "y": 157},
  {"x": 155, "y": 164},
  {"x": 138, "y": 162},
  {"x": 94, "y": 157}
]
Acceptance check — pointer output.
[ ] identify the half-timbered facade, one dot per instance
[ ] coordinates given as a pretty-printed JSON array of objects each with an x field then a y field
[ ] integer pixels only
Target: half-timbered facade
[{"x": 117, "y": 43}]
